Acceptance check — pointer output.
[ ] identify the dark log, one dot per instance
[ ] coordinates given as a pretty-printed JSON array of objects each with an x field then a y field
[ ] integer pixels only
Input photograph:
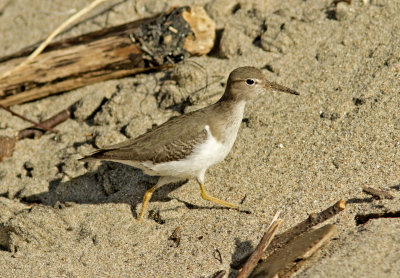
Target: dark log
[{"x": 143, "y": 45}]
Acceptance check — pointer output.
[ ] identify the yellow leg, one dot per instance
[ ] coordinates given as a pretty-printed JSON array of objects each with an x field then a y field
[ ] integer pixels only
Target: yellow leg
[
  {"x": 207, "y": 197},
  {"x": 149, "y": 193},
  {"x": 146, "y": 200}
]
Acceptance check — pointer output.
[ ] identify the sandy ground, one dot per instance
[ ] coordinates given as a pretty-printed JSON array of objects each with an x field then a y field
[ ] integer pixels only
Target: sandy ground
[{"x": 294, "y": 154}]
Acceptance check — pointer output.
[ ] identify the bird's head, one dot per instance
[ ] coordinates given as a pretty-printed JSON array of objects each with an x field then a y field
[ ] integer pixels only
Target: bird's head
[{"x": 248, "y": 83}]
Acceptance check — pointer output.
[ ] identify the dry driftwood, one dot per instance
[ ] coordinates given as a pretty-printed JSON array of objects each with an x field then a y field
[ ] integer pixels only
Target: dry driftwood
[
  {"x": 287, "y": 260},
  {"x": 304, "y": 226},
  {"x": 282, "y": 239},
  {"x": 258, "y": 253},
  {"x": 7, "y": 147},
  {"x": 107, "y": 54}
]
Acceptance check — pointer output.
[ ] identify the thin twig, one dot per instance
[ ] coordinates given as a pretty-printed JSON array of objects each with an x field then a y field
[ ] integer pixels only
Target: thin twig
[
  {"x": 60, "y": 28},
  {"x": 38, "y": 125},
  {"x": 33, "y": 132},
  {"x": 218, "y": 255},
  {"x": 379, "y": 194},
  {"x": 261, "y": 247},
  {"x": 8, "y": 144}
]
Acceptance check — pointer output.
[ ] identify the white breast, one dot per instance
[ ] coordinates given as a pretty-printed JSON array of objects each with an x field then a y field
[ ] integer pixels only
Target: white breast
[{"x": 203, "y": 156}]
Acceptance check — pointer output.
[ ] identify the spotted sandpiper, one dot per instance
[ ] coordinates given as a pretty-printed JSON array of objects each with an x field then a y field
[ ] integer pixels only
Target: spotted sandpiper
[{"x": 186, "y": 146}]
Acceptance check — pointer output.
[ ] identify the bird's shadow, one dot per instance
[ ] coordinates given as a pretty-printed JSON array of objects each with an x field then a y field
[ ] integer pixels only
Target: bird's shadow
[
  {"x": 111, "y": 183},
  {"x": 243, "y": 250}
]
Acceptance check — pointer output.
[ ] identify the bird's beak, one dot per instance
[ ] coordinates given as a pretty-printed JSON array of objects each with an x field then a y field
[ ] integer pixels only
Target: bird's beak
[{"x": 275, "y": 86}]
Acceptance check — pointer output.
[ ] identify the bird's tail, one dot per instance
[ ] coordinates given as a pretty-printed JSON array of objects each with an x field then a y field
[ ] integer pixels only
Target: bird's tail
[{"x": 96, "y": 155}]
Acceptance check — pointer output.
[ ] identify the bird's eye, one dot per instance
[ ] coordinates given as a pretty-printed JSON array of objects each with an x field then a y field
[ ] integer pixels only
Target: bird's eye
[{"x": 250, "y": 82}]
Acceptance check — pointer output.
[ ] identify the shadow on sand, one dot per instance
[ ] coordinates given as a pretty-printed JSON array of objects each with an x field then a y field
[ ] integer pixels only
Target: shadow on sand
[{"x": 110, "y": 183}]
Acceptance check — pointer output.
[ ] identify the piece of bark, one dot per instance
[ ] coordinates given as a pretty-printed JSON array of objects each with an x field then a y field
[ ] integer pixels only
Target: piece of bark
[
  {"x": 287, "y": 260},
  {"x": 379, "y": 194},
  {"x": 260, "y": 249},
  {"x": 143, "y": 45},
  {"x": 7, "y": 145}
]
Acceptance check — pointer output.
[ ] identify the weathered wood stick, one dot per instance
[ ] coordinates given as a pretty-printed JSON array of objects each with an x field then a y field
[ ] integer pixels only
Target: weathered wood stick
[
  {"x": 304, "y": 226},
  {"x": 143, "y": 45},
  {"x": 49, "y": 39},
  {"x": 287, "y": 260},
  {"x": 258, "y": 253}
]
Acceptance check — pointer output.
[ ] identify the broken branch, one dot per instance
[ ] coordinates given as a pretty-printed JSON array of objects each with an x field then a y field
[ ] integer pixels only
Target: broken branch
[
  {"x": 43, "y": 45},
  {"x": 138, "y": 46},
  {"x": 261, "y": 247},
  {"x": 306, "y": 225},
  {"x": 287, "y": 260}
]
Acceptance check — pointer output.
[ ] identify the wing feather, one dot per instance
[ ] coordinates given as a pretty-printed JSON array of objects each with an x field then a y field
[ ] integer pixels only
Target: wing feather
[{"x": 173, "y": 140}]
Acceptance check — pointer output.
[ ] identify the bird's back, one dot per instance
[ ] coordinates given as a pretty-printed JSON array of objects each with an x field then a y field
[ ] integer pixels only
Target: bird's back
[{"x": 172, "y": 140}]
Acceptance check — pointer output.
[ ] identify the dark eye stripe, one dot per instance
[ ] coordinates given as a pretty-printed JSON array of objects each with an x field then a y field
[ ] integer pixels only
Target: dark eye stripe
[{"x": 250, "y": 81}]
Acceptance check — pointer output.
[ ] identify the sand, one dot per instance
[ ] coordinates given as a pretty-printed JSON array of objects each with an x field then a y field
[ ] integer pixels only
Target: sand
[{"x": 298, "y": 155}]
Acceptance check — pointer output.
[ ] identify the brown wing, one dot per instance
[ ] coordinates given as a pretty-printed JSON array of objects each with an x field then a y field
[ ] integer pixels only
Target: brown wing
[
  {"x": 179, "y": 149},
  {"x": 172, "y": 140}
]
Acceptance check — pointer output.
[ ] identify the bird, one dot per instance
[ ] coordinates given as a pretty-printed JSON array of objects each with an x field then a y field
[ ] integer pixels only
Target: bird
[{"x": 184, "y": 147}]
